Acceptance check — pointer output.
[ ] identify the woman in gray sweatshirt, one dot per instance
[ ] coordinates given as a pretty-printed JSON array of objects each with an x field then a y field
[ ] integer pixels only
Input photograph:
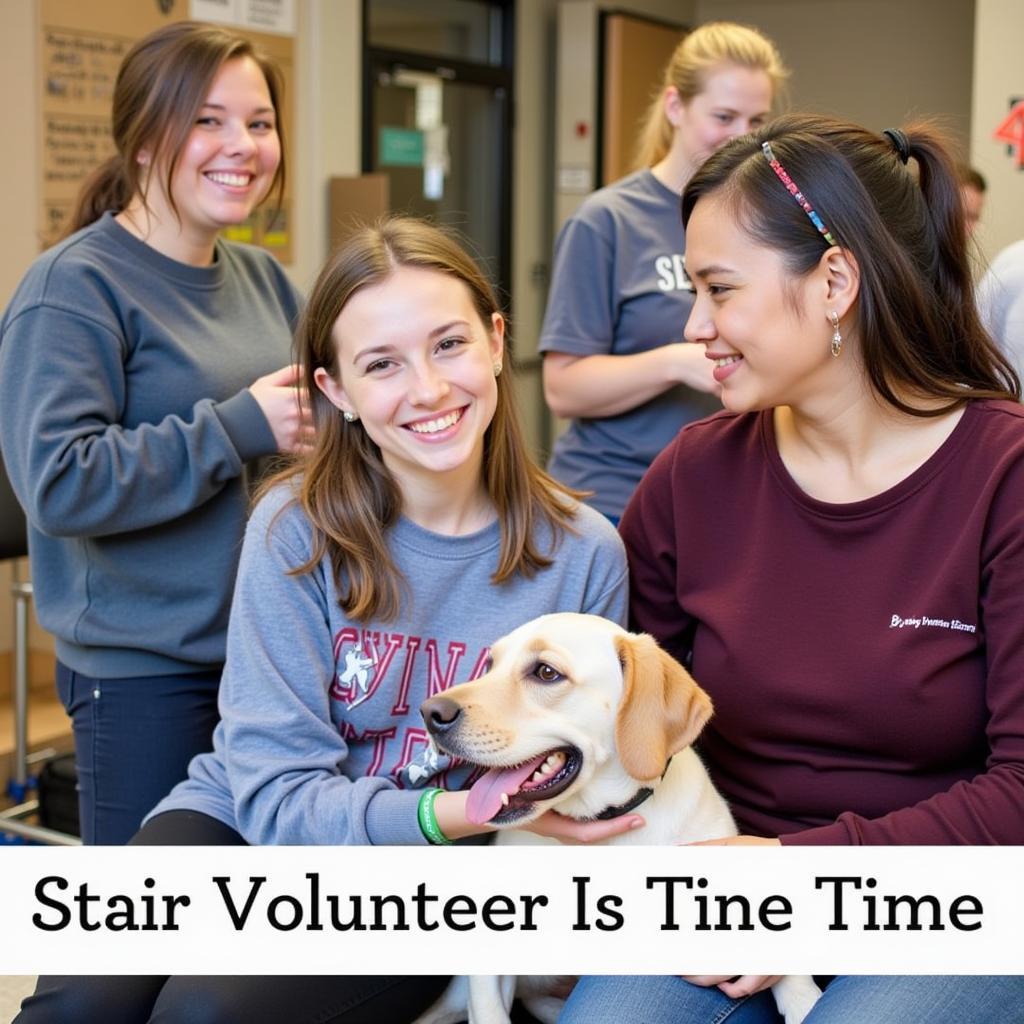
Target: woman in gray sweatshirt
[{"x": 128, "y": 411}]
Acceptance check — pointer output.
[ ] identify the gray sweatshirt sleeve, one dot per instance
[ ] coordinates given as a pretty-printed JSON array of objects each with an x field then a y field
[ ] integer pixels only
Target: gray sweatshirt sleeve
[
  {"x": 75, "y": 468},
  {"x": 284, "y": 757},
  {"x": 607, "y": 591}
]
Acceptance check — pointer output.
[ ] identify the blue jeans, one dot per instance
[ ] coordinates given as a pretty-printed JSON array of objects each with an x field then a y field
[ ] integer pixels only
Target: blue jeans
[
  {"x": 134, "y": 739},
  {"x": 849, "y": 999}
]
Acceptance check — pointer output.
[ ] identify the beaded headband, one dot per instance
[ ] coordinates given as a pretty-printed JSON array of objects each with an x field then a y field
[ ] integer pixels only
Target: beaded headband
[{"x": 780, "y": 171}]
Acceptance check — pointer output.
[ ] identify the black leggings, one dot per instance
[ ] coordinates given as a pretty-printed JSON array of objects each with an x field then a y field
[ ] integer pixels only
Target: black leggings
[{"x": 356, "y": 999}]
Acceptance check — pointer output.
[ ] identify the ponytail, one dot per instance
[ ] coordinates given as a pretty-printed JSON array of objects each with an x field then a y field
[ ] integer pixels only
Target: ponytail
[
  {"x": 976, "y": 359},
  {"x": 105, "y": 189}
]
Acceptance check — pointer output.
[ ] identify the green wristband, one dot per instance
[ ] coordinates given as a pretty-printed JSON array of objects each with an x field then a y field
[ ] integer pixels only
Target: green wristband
[{"x": 428, "y": 820}]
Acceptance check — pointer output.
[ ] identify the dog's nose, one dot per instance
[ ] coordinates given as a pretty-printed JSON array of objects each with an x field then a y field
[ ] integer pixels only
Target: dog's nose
[{"x": 440, "y": 714}]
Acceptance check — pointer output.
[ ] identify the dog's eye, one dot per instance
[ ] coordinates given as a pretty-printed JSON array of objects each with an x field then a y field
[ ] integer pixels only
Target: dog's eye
[{"x": 546, "y": 674}]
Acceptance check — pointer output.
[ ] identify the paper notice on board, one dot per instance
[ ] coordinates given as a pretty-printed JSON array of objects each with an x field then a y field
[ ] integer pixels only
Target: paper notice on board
[
  {"x": 73, "y": 147},
  {"x": 277, "y": 16},
  {"x": 221, "y": 12},
  {"x": 79, "y": 69},
  {"x": 274, "y": 16}
]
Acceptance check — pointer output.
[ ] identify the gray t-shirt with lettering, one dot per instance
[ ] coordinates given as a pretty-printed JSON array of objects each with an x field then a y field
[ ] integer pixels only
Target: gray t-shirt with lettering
[{"x": 619, "y": 286}]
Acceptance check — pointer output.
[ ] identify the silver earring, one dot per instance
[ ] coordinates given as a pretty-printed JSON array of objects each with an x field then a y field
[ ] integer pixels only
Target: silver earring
[
  {"x": 497, "y": 369},
  {"x": 350, "y": 417},
  {"x": 837, "y": 338}
]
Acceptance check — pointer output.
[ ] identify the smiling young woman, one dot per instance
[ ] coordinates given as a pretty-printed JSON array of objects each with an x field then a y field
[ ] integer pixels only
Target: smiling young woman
[
  {"x": 224, "y": 168},
  {"x": 143, "y": 364},
  {"x": 427, "y": 403},
  {"x": 375, "y": 573},
  {"x": 847, "y": 579}
]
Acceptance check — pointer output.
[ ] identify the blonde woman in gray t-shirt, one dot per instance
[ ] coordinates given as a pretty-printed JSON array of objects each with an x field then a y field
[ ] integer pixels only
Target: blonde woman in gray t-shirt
[{"x": 615, "y": 361}]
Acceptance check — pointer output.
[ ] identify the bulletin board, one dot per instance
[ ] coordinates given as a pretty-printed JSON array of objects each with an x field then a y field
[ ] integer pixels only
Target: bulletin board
[{"x": 81, "y": 46}]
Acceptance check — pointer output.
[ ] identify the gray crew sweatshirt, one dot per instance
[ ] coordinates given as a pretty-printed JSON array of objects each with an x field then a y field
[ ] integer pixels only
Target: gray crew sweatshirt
[
  {"x": 320, "y": 739},
  {"x": 126, "y": 423}
]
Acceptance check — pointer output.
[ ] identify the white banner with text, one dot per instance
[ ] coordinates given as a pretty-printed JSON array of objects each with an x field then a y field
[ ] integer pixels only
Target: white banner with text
[{"x": 523, "y": 910}]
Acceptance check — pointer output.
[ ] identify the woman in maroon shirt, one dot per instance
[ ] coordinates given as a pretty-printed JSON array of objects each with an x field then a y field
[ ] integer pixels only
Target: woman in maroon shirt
[{"x": 839, "y": 556}]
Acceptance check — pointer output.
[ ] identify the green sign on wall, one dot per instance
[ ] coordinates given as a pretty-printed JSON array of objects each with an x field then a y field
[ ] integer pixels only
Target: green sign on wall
[{"x": 401, "y": 147}]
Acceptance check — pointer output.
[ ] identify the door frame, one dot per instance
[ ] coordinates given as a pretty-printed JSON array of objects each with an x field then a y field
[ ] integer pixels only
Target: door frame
[{"x": 496, "y": 76}]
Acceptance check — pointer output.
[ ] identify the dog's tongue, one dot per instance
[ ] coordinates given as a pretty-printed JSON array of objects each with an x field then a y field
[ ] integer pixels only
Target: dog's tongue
[{"x": 485, "y": 797}]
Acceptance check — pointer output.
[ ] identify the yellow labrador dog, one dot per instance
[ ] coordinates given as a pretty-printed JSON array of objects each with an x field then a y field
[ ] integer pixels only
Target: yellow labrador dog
[{"x": 578, "y": 715}]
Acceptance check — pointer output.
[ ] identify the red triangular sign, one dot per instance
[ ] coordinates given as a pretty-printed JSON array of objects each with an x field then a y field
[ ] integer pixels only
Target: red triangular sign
[{"x": 1011, "y": 131}]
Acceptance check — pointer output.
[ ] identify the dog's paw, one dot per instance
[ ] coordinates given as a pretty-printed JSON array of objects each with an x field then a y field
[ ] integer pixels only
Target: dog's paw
[
  {"x": 546, "y": 1009},
  {"x": 795, "y": 996}
]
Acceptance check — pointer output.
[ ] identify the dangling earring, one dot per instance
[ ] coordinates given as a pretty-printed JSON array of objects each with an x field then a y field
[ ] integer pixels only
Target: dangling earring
[
  {"x": 837, "y": 338},
  {"x": 497, "y": 369},
  {"x": 350, "y": 417}
]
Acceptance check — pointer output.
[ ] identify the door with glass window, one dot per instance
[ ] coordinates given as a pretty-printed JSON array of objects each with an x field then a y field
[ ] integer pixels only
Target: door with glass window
[{"x": 437, "y": 116}]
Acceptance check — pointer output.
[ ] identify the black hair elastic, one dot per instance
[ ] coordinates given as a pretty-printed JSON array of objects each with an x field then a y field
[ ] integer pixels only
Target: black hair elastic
[{"x": 900, "y": 143}]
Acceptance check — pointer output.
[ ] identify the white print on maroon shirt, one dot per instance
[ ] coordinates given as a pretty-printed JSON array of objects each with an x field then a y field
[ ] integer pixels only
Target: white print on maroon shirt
[
  {"x": 672, "y": 275},
  {"x": 897, "y": 622}
]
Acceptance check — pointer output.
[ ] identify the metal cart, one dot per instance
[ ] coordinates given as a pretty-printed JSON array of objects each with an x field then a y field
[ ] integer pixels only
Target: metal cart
[{"x": 14, "y": 545}]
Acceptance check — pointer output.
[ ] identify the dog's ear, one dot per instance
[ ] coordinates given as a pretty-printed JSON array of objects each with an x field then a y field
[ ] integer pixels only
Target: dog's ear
[{"x": 662, "y": 711}]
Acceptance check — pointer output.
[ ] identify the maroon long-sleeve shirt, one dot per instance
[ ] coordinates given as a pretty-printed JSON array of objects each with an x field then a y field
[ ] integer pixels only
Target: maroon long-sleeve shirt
[{"x": 866, "y": 660}]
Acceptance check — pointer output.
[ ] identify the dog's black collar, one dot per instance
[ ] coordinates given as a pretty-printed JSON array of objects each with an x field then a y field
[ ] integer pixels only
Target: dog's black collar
[{"x": 632, "y": 803}]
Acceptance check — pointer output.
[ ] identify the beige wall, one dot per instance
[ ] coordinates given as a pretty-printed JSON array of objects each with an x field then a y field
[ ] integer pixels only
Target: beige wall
[
  {"x": 999, "y": 75},
  {"x": 877, "y": 62},
  {"x": 329, "y": 112},
  {"x": 19, "y": 180}
]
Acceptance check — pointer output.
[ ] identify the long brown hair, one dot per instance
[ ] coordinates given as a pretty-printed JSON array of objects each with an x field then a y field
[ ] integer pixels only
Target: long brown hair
[
  {"x": 161, "y": 85},
  {"x": 704, "y": 50},
  {"x": 344, "y": 487},
  {"x": 919, "y": 329}
]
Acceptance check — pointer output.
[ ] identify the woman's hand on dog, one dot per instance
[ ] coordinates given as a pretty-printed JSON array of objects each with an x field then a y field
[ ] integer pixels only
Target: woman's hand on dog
[
  {"x": 734, "y": 986},
  {"x": 737, "y": 841},
  {"x": 569, "y": 830}
]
